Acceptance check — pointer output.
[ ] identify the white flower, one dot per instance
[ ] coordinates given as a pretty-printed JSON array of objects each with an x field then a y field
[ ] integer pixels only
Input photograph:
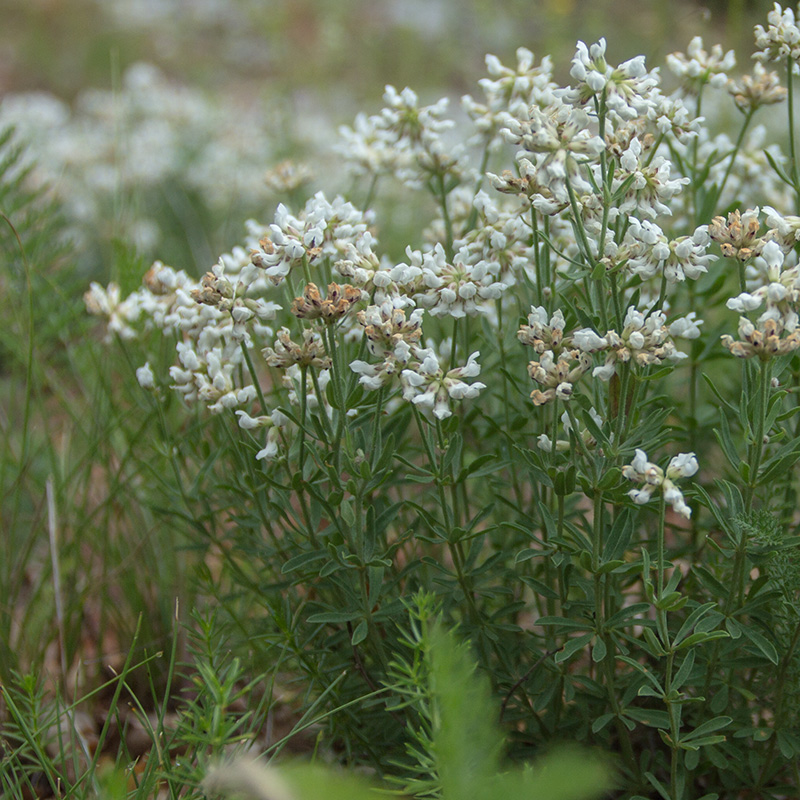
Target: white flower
[
  {"x": 744, "y": 302},
  {"x": 588, "y": 340},
  {"x": 682, "y": 466},
  {"x": 145, "y": 376},
  {"x": 687, "y": 327},
  {"x": 641, "y": 496},
  {"x": 248, "y": 423}
]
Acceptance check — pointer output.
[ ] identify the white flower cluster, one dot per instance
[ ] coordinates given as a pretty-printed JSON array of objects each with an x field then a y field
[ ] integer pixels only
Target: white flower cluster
[
  {"x": 565, "y": 358},
  {"x": 393, "y": 337},
  {"x": 781, "y": 39},
  {"x": 776, "y": 287},
  {"x": 208, "y": 317},
  {"x": 645, "y": 182},
  {"x": 322, "y": 229},
  {"x": 594, "y": 212},
  {"x": 555, "y": 142},
  {"x": 648, "y": 252},
  {"x": 209, "y": 376},
  {"x": 509, "y": 91},
  {"x": 780, "y": 291},
  {"x": 456, "y": 290},
  {"x": 655, "y": 479},
  {"x": 404, "y": 139},
  {"x": 626, "y": 88},
  {"x": 644, "y": 340},
  {"x": 431, "y": 389},
  {"x": 698, "y": 67}
]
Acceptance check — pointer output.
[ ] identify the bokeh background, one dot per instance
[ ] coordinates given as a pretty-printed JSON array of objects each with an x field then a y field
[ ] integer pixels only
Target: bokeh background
[{"x": 154, "y": 121}]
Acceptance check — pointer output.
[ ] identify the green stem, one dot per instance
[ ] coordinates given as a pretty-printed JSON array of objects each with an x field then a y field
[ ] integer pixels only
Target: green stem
[
  {"x": 732, "y": 158},
  {"x": 306, "y": 269},
  {"x": 326, "y": 423},
  {"x": 254, "y": 377},
  {"x": 303, "y": 409},
  {"x": 537, "y": 257},
  {"x": 661, "y": 614},
  {"x": 757, "y": 448},
  {"x": 473, "y": 214},
  {"x": 674, "y": 728},
  {"x": 373, "y": 184},
  {"x": 792, "y": 144},
  {"x": 448, "y": 224}
]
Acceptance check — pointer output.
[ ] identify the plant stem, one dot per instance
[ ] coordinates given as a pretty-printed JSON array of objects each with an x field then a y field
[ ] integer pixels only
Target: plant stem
[{"x": 792, "y": 143}]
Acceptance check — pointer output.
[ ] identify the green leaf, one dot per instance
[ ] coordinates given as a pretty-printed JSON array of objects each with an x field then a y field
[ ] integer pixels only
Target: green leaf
[
  {"x": 691, "y": 621},
  {"x": 764, "y": 645},
  {"x": 327, "y": 783},
  {"x": 779, "y": 170},
  {"x": 788, "y": 744},
  {"x": 475, "y": 467},
  {"x": 334, "y": 617},
  {"x": 360, "y": 633},
  {"x": 620, "y": 535},
  {"x": 646, "y": 672},
  {"x": 303, "y": 560},
  {"x": 781, "y": 462},
  {"x": 709, "y": 581},
  {"x": 645, "y": 690},
  {"x": 539, "y": 587},
  {"x": 705, "y": 741},
  {"x": 599, "y": 650},
  {"x": 573, "y": 646},
  {"x": 566, "y": 774},
  {"x": 726, "y": 404},
  {"x": 657, "y": 785},
  {"x": 683, "y": 673},
  {"x": 601, "y": 722},
  {"x": 648, "y": 716},
  {"x": 452, "y": 456},
  {"x": 723, "y": 436},
  {"x": 375, "y": 578},
  {"x": 733, "y": 628},
  {"x": 711, "y": 726},
  {"x": 700, "y": 637},
  {"x": 574, "y": 624},
  {"x": 467, "y": 744}
]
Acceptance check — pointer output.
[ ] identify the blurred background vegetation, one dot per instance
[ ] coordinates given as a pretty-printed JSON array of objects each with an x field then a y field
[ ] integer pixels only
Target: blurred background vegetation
[
  {"x": 322, "y": 50},
  {"x": 258, "y": 81}
]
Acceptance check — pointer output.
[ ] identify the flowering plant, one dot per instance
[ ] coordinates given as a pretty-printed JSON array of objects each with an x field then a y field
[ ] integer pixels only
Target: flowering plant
[{"x": 576, "y": 237}]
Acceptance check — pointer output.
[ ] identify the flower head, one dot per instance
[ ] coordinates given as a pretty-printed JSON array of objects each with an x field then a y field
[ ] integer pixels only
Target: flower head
[
  {"x": 762, "y": 88},
  {"x": 738, "y": 236},
  {"x": 339, "y": 301},
  {"x": 781, "y": 39},
  {"x": 653, "y": 479},
  {"x": 286, "y": 353},
  {"x": 697, "y": 67},
  {"x": 431, "y": 389}
]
